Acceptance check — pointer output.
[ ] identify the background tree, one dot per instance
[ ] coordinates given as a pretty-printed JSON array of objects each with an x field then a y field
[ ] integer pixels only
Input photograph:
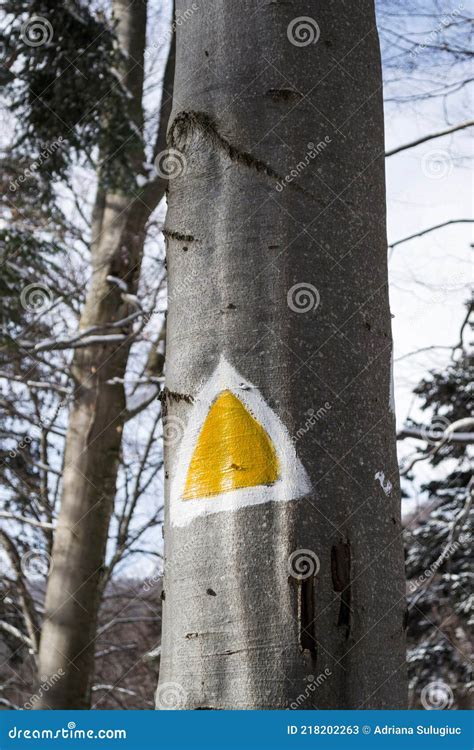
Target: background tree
[
  {"x": 64, "y": 125},
  {"x": 427, "y": 76},
  {"x": 439, "y": 542}
]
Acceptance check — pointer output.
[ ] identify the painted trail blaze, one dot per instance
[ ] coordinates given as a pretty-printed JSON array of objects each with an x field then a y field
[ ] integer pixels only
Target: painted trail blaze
[{"x": 233, "y": 451}]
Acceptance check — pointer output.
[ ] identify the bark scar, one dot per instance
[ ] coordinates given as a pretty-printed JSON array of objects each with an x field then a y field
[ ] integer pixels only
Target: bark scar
[
  {"x": 178, "y": 236},
  {"x": 341, "y": 581},
  {"x": 304, "y": 593},
  {"x": 306, "y": 614},
  {"x": 186, "y": 123},
  {"x": 166, "y": 397},
  {"x": 169, "y": 396},
  {"x": 284, "y": 95}
]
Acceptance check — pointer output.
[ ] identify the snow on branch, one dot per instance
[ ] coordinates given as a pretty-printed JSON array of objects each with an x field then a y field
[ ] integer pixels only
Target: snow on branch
[
  {"x": 30, "y": 521},
  {"x": 448, "y": 435},
  {"x": 16, "y": 633}
]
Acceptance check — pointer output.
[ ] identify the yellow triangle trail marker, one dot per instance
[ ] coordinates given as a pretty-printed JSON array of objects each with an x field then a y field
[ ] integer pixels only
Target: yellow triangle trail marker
[
  {"x": 235, "y": 452},
  {"x": 232, "y": 451}
]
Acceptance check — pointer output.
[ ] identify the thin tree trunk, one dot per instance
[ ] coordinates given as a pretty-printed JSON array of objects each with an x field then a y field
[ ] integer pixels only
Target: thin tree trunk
[
  {"x": 276, "y": 596},
  {"x": 98, "y": 411}
]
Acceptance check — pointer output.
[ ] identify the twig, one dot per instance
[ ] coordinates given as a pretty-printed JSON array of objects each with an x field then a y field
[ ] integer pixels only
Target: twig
[
  {"x": 430, "y": 229},
  {"x": 429, "y": 137},
  {"x": 30, "y": 521}
]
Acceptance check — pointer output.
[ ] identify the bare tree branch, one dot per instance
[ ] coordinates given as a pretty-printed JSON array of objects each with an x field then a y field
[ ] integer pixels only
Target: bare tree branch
[
  {"x": 27, "y": 603},
  {"x": 430, "y": 229},
  {"x": 447, "y": 436},
  {"x": 430, "y": 137},
  {"x": 420, "y": 434},
  {"x": 12, "y": 630},
  {"x": 30, "y": 521}
]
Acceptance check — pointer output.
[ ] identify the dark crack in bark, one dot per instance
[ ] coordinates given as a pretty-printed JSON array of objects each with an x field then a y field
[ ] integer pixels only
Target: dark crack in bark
[
  {"x": 185, "y": 123},
  {"x": 180, "y": 236},
  {"x": 341, "y": 581}
]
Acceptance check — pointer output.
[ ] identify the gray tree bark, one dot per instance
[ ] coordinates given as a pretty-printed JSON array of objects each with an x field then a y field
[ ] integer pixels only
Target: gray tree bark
[
  {"x": 98, "y": 411},
  {"x": 299, "y": 603}
]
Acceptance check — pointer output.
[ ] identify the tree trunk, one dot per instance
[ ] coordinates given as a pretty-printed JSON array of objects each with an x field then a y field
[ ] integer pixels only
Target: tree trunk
[
  {"x": 284, "y": 582},
  {"x": 98, "y": 411}
]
